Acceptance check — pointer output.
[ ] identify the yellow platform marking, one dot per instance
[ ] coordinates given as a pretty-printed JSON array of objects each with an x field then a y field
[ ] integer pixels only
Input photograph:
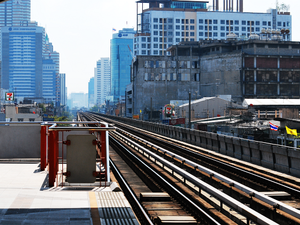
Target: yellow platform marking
[{"x": 94, "y": 209}]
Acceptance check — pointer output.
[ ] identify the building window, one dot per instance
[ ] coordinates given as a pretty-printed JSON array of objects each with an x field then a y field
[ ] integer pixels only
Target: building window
[
  {"x": 200, "y": 27},
  {"x": 257, "y": 29},
  {"x": 215, "y": 27},
  {"x": 279, "y": 24},
  {"x": 264, "y": 23},
  {"x": 210, "y": 28},
  {"x": 143, "y": 39},
  {"x": 222, "y": 21},
  {"x": 283, "y": 24},
  {"x": 182, "y": 33},
  {"x": 187, "y": 21},
  {"x": 201, "y": 21},
  {"x": 182, "y": 27},
  {"x": 155, "y": 39},
  {"x": 186, "y": 34},
  {"x": 243, "y": 22},
  {"x": 155, "y": 32},
  {"x": 170, "y": 33},
  {"x": 236, "y": 22},
  {"x": 182, "y": 21},
  {"x": 288, "y": 24},
  {"x": 170, "y": 39},
  {"x": 170, "y": 27},
  {"x": 236, "y": 29},
  {"x": 192, "y": 27},
  {"x": 208, "y": 21},
  {"x": 192, "y": 39},
  {"x": 192, "y": 21},
  {"x": 222, "y": 34},
  {"x": 186, "y": 27},
  {"x": 177, "y": 33},
  {"x": 243, "y": 28},
  {"x": 155, "y": 20},
  {"x": 215, "y": 21},
  {"x": 177, "y": 39},
  {"x": 177, "y": 20},
  {"x": 155, "y": 52},
  {"x": 269, "y": 23},
  {"x": 143, "y": 45},
  {"x": 170, "y": 20},
  {"x": 257, "y": 23},
  {"x": 155, "y": 46},
  {"x": 155, "y": 26},
  {"x": 177, "y": 27},
  {"x": 201, "y": 34},
  {"x": 192, "y": 34},
  {"x": 215, "y": 34},
  {"x": 222, "y": 28}
]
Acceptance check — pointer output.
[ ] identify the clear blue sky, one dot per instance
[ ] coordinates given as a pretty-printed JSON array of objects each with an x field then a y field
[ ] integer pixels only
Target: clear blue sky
[{"x": 81, "y": 30}]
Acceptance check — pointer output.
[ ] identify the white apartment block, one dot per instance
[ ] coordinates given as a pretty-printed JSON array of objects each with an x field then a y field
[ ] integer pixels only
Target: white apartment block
[
  {"x": 161, "y": 27},
  {"x": 102, "y": 80}
]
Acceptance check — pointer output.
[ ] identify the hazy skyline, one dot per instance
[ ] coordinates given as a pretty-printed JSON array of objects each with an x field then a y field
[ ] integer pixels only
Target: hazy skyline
[{"x": 81, "y": 32}]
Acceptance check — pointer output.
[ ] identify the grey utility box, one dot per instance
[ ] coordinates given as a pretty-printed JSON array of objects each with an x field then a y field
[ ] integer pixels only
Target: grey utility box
[{"x": 81, "y": 159}]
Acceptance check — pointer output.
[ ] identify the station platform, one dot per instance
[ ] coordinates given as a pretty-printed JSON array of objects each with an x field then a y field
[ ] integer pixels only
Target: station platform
[{"x": 26, "y": 199}]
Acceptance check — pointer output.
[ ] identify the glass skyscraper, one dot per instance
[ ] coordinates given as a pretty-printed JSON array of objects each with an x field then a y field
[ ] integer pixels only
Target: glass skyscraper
[
  {"x": 22, "y": 63},
  {"x": 121, "y": 54}
]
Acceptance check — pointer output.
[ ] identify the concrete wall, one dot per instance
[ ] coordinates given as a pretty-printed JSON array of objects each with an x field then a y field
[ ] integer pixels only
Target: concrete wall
[
  {"x": 22, "y": 141},
  {"x": 276, "y": 157},
  {"x": 221, "y": 75}
]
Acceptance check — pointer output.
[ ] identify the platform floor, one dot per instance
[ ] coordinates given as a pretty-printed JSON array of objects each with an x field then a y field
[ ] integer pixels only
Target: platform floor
[{"x": 25, "y": 199}]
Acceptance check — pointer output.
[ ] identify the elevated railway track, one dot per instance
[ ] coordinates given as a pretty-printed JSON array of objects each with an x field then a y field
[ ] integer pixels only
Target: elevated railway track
[{"x": 217, "y": 189}]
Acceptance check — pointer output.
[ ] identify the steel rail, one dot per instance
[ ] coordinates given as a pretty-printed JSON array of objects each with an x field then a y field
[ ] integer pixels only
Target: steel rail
[
  {"x": 238, "y": 206},
  {"x": 146, "y": 219},
  {"x": 179, "y": 193},
  {"x": 286, "y": 208}
]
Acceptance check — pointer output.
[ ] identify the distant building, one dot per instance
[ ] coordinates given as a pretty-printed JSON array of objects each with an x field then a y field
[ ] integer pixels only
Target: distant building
[
  {"x": 91, "y": 92},
  {"x": 102, "y": 80},
  {"x": 121, "y": 47},
  {"x": 242, "y": 69},
  {"x": 22, "y": 65},
  {"x": 78, "y": 100},
  {"x": 168, "y": 22},
  {"x": 62, "y": 89},
  {"x": 49, "y": 81}
]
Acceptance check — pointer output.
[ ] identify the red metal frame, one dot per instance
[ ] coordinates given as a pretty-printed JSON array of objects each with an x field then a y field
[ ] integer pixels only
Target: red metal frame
[{"x": 53, "y": 157}]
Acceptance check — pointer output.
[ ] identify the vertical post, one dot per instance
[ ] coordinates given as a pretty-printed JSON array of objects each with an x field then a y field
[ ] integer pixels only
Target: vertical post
[
  {"x": 190, "y": 111},
  {"x": 43, "y": 146},
  {"x": 53, "y": 152},
  {"x": 151, "y": 110}
]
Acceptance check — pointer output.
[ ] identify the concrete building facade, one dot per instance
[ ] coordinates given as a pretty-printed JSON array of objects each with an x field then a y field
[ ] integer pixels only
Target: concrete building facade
[
  {"x": 165, "y": 23},
  {"x": 241, "y": 69},
  {"x": 91, "y": 92}
]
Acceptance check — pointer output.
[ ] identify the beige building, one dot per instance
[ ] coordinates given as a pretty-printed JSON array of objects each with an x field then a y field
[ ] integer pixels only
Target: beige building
[{"x": 23, "y": 113}]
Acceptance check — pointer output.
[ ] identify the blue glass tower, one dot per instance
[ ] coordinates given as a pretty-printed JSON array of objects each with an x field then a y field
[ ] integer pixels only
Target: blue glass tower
[
  {"x": 121, "y": 54},
  {"x": 22, "y": 63},
  {"x": 49, "y": 80}
]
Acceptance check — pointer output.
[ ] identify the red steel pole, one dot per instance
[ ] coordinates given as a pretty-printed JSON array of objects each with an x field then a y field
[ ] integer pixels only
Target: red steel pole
[
  {"x": 43, "y": 146},
  {"x": 52, "y": 154}
]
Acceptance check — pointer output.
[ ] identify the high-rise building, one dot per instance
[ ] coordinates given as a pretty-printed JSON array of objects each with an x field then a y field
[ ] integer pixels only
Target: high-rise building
[
  {"x": 22, "y": 62},
  {"x": 49, "y": 81},
  {"x": 62, "y": 89},
  {"x": 15, "y": 13},
  {"x": 167, "y": 22},
  {"x": 91, "y": 92},
  {"x": 121, "y": 46},
  {"x": 102, "y": 80}
]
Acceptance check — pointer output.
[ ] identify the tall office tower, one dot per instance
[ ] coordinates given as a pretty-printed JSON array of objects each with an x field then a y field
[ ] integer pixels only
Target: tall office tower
[
  {"x": 15, "y": 13},
  {"x": 167, "y": 22},
  {"x": 22, "y": 62},
  {"x": 49, "y": 81},
  {"x": 91, "y": 92},
  {"x": 121, "y": 46},
  {"x": 62, "y": 89},
  {"x": 102, "y": 80}
]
